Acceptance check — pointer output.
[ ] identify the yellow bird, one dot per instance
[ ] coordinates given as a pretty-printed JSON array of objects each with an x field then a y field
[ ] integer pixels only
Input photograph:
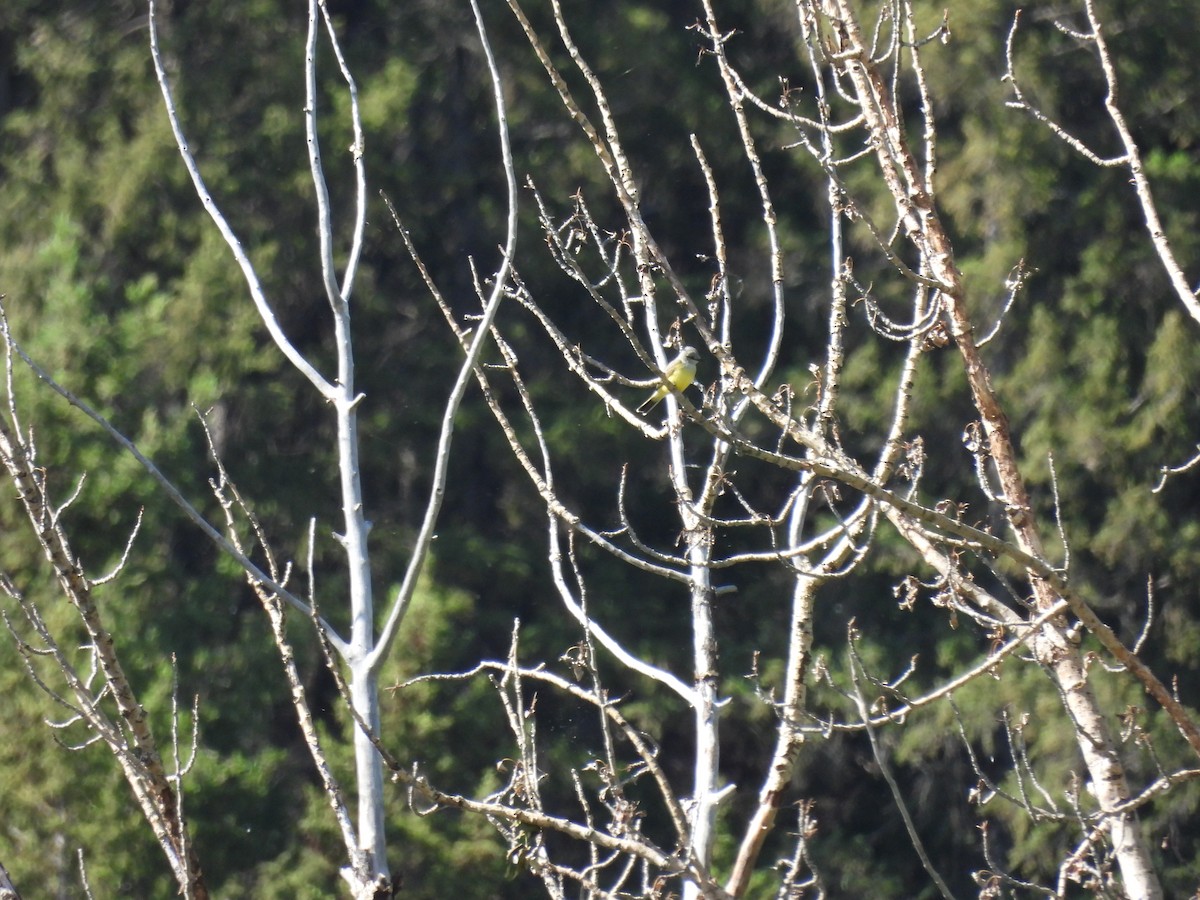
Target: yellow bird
[{"x": 680, "y": 373}]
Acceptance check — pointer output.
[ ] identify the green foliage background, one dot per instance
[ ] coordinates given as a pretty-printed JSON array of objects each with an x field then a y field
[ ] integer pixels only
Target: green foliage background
[{"x": 116, "y": 281}]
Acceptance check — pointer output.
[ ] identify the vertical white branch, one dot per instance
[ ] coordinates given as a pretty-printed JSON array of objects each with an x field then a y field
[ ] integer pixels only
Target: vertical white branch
[
  {"x": 357, "y": 149},
  {"x": 373, "y": 865},
  {"x": 363, "y": 686}
]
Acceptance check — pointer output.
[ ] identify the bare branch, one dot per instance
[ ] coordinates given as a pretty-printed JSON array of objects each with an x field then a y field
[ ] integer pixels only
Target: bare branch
[
  {"x": 857, "y": 671},
  {"x": 163, "y": 482},
  {"x": 1131, "y": 158},
  {"x": 421, "y": 549},
  {"x": 235, "y": 246}
]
